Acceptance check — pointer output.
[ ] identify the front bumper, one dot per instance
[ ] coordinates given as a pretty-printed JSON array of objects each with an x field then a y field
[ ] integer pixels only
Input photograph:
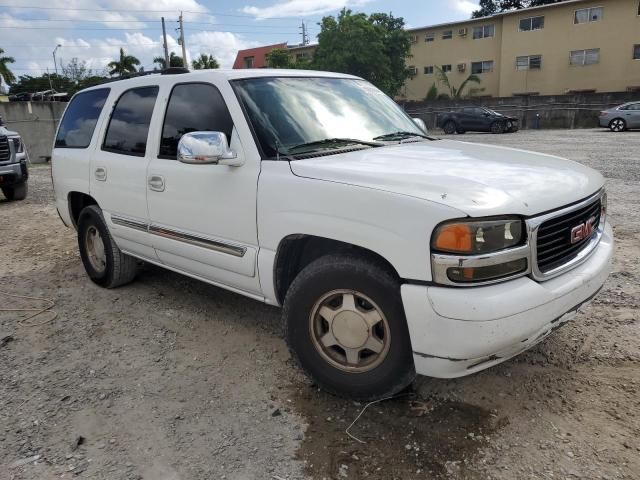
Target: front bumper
[
  {"x": 456, "y": 332},
  {"x": 14, "y": 173}
]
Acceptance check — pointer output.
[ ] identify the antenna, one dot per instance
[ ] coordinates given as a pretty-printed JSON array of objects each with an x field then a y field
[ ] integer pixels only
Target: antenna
[{"x": 305, "y": 33}]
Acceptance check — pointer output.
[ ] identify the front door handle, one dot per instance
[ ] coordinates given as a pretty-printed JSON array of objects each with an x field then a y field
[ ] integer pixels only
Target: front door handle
[
  {"x": 156, "y": 183},
  {"x": 101, "y": 174}
]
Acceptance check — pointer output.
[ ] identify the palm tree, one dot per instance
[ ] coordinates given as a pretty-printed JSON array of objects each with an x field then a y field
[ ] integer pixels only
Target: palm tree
[
  {"x": 6, "y": 74},
  {"x": 126, "y": 64},
  {"x": 204, "y": 62},
  {"x": 457, "y": 93},
  {"x": 174, "y": 61}
]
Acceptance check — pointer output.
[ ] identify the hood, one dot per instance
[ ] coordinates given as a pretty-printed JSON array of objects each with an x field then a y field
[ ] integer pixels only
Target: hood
[
  {"x": 4, "y": 131},
  {"x": 479, "y": 180}
]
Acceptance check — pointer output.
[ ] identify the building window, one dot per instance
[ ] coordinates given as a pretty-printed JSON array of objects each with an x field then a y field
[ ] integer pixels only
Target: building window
[
  {"x": 531, "y": 23},
  {"x": 585, "y": 57},
  {"x": 248, "y": 62},
  {"x": 586, "y": 15},
  {"x": 482, "y": 67},
  {"x": 446, "y": 68},
  {"x": 530, "y": 62},
  {"x": 129, "y": 124},
  {"x": 413, "y": 71},
  {"x": 428, "y": 70},
  {"x": 484, "y": 31},
  {"x": 447, "y": 34},
  {"x": 636, "y": 52},
  {"x": 429, "y": 37}
]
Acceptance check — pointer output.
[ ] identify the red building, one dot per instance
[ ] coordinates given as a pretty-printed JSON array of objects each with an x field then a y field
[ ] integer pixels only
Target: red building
[{"x": 255, "y": 57}]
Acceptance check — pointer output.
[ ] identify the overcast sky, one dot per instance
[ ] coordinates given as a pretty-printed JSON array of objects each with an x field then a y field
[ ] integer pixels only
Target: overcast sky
[{"x": 94, "y": 30}]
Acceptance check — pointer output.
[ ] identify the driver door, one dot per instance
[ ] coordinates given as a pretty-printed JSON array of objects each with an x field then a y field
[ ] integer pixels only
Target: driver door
[{"x": 203, "y": 217}]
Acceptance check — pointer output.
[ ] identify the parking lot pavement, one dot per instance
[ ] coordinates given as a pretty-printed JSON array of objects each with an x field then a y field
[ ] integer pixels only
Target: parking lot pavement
[{"x": 172, "y": 379}]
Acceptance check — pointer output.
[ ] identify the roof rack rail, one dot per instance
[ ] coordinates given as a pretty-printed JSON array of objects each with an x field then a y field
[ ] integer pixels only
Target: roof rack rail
[{"x": 174, "y": 71}]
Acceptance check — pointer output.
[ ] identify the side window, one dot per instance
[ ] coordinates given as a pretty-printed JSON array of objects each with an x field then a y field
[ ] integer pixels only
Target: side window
[
  {"x": 129, "y": 124},
  {"x": 193, "y": 107},
  {"x": 79, "y": 121}
]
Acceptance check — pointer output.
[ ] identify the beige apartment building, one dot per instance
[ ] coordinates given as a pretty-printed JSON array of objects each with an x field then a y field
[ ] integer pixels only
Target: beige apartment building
[
  {"x": 574, "y": 46},
  {"x": 569, "y": 47}
]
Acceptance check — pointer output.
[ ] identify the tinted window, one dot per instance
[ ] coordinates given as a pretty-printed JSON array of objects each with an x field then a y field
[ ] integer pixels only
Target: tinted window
[
  {"x": 129, "y": 125},
  {"x": 193, "y": 107},
  {"x": 79, "y": 122}
]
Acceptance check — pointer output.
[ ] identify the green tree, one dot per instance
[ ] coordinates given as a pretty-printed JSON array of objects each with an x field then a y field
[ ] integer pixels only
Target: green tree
[
  {"x": 204, "y": 62},
  {"x": 174, "y": 61},
  {"x": 373, "y": 47},
  {"x": 432, "y": 93},
  {"x": 491, "y": 7},
  {"x": 279, "y": 58},
  {"x": 5, "y": 72},
  {"x": 454, "y": 92},
  {"x": 125, "y": 64}
]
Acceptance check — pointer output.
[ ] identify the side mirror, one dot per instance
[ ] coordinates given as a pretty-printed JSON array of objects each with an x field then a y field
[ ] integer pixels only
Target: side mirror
[
  {"x": 421, "y": 124},
  {"x": 201, "y": 148}
]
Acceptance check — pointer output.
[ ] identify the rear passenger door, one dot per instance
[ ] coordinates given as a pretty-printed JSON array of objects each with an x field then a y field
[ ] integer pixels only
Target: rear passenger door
[
  {"x": 203, "y": 217},
  {"x": 119, "y": 169},
  {"x": 633, "y": 116}
]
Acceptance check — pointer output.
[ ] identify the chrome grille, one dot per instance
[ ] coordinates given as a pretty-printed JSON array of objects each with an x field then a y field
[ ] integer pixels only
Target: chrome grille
[
  {"x": 554, "y": 247},
  {"x": 5, "y": 151}
]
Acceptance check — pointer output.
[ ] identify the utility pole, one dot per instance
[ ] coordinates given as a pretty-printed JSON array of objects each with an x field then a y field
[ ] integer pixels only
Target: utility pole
[
  {"x": 305, "y": 34},
  {"x": 181, "y": 41},
  {"x": 166, "y": 50}
]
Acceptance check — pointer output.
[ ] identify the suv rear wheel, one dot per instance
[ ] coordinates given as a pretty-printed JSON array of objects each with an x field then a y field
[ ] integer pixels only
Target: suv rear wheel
[
  {"x": 105, "y": 264},
  {"x": 449, "y": 128},
  {"x": 17, "y": 192},
  {"x": 345, "y": 324}
]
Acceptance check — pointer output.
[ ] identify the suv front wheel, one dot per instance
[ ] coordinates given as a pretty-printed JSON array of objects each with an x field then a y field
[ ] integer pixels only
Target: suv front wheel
[
  {"x": 345, "y": 324},
  {"x": 17, "y": 192},
  {"x": 105, "y": 264}
]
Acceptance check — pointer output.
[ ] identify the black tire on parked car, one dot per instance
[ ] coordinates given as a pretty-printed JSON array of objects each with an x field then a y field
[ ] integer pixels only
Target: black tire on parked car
[
  {"x": 618, "y": 125},
  {"x": 498, "y": 127},
  {"x": 105, "y": 264},
  {"x": 17, "y": 192},
  {"x": 345, "y": 325},
  {"x": 449, "y": 127}
]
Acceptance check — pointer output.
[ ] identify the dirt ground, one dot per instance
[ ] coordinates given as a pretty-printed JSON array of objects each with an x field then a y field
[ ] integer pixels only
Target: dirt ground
[{"x": 172, "y": 379}]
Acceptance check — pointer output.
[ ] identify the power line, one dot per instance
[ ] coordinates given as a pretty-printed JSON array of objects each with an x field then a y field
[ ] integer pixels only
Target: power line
[
  {"x": 143, "y": 28},
  {"x": 142, "y": 21}
]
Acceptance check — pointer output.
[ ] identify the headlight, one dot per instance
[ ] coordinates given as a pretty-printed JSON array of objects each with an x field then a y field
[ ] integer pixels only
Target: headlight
[
  {"x": 18, "y": 145},
  {"x": 479, "y": 236},
  {"x": 468, "y": 252}
]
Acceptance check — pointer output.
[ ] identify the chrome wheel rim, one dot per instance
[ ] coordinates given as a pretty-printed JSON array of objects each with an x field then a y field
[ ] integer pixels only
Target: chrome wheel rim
[
  {"x": 617, "y": 125},
  {"x": 95, "y": 250},
  {"x": 350, "y": 331}
]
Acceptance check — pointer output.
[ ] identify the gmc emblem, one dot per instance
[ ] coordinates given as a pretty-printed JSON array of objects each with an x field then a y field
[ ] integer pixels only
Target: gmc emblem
[{"x": 582, "y": 231}]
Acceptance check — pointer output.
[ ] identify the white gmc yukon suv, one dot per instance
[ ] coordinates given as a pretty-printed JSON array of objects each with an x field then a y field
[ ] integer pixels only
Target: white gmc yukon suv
[{"x": 392, "y": 252}]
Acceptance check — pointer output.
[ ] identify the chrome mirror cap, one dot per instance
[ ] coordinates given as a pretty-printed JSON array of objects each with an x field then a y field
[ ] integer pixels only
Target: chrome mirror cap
[
  {"x": 206, "y": 148},
  {"x": 420, "y": 123}
]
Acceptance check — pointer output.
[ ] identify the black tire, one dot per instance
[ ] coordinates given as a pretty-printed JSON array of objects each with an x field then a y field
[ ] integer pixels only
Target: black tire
[
  {"x": 498, "y": 127},
  {"x": 449, "y": 127},
  {"x": 17, "y": 192},
  {"x": 119, "y": 269},
  {"x": 351, "y": 272},
  {"x": 618, "y": 125}
]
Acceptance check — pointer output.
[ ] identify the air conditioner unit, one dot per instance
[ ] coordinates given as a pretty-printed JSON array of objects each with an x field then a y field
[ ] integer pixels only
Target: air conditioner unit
[
  {"x": 413, "y": 38},
  {"x": 462, "y": 67},
  {"x": 462, "y": 32},
  {"x": 413, "y": 71}
]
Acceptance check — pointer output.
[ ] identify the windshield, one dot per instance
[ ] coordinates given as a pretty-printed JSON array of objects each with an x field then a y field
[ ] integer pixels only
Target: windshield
[{"x": 288, "y": 112}]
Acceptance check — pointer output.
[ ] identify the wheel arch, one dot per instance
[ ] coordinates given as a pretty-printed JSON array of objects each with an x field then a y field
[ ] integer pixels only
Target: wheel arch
[
  {"x": 77, "y": 201},
  {"x": 296, "y": 251}
]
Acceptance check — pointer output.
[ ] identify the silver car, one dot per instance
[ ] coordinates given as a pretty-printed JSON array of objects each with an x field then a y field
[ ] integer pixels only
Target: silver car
[{"x": 621, "y": 118}]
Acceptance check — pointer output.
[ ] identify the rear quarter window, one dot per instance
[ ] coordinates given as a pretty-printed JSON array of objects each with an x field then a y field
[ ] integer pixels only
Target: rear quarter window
[{"x": 79, "y": 121}]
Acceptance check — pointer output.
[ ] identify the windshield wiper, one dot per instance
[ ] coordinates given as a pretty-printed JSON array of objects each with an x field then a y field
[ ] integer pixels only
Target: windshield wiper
[
  {"x": 331, "y": 142},
  {"x": 402, "y": 135}
]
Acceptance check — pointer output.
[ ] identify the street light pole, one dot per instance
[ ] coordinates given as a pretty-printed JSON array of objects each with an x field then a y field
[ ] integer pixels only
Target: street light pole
[{"x": 55, "y": 64}]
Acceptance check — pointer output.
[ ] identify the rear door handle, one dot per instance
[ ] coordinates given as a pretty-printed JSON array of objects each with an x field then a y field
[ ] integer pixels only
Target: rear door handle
[
  {"x": 101, "y": 174},
  {"x": 156, "y": 183}
]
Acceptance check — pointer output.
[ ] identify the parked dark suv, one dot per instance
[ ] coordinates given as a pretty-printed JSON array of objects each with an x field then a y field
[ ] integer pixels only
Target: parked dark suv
[{"x": 476, "y": 119}]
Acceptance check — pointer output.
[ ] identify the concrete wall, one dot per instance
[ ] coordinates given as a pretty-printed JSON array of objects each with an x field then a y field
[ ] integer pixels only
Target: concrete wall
[
  {"x": 36, "y": 122},
  {"x": 555, "y": 111}
]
